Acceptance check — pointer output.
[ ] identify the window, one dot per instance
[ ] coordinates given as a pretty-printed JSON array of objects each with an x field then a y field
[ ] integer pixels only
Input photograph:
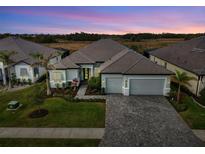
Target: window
[
  {"x": 23, "y": 72},
  {"x": 57, "y": 76}
]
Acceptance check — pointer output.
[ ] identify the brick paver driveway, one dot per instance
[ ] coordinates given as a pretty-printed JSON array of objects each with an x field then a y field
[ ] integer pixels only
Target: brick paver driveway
[{"x": 145, "y": 121}]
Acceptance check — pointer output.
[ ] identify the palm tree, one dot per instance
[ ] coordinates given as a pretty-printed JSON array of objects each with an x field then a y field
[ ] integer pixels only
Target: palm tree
[
  {"x": 5, "y": 57},
  {"x": 44, "y": 62},
  {"x": 181, "y": 79}
]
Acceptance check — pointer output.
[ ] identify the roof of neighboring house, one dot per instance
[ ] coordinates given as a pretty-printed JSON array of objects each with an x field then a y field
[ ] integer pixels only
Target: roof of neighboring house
[
  {"x": 24, "y": 49},
  {"x": 189, "y": 55},
  {"x": 130, "y": 62}
]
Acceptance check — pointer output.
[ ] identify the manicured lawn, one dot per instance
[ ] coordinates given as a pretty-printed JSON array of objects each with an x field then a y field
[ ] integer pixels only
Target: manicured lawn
[
  {"x": 49, "y": 142},
  {"x": 194, "y": 115},
  {"x": 62, "y": 113}
]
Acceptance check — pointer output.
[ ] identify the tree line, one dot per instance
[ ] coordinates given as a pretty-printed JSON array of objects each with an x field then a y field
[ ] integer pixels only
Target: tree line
[{"x": 51, "y": 38}]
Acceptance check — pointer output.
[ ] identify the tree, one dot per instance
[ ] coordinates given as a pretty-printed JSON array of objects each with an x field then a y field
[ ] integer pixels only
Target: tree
[
  {"x": 5, "y": 57},
  {"x": 44, "y": 62},
  {"x": 181, "y": 79}
]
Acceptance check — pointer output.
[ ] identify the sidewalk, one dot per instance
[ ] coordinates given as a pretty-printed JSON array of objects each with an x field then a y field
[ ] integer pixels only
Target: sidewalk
[
  {"x": 81, "y": 94},
  {"x": 199, "y": 133},
  {"x": 77, "y": 133}
]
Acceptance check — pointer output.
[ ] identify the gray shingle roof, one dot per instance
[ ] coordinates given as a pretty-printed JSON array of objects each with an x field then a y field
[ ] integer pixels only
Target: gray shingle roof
[
  {"x": 65, "y": 63},
  {"x": 24, "y": 49},
  {"x": 98, "y": 51},
  {"x": 133, "y": 63},
  {"x": 189, "y": 55},
  {"x": 102, "y": 50}
]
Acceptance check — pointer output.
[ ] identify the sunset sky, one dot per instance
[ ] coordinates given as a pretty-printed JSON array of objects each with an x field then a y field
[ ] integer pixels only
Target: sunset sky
[{"x": 110, "y": 20}]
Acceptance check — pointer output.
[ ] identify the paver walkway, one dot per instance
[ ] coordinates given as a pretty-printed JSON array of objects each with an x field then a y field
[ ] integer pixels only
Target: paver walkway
[
  {"x": 83, "y": 133},
  {"x": 81, "y": 94},
  {"x": 199, "y": 133}
]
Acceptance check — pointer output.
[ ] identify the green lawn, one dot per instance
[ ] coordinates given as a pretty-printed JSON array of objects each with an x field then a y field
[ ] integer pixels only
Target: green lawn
[
  {"x": 62, "y": 113},
  {"x": 49, "y": 142},
  {"x": 194, "y": 115}
]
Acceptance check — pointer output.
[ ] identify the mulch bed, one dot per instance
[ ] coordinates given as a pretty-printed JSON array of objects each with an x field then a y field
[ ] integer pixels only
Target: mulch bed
[
  {"x": 38, "y": 113},
  {"x": 90, "y": 91}
]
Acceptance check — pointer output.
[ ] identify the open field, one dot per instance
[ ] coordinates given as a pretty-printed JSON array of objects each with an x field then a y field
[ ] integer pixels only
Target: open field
[
  {"x": 70, "y": 45},
  {"x": 149, "y": 44},
  {"x": 20, "y": 142},
  {"x": 61, "y": 112},
  {"x": 138, "y": 46}
]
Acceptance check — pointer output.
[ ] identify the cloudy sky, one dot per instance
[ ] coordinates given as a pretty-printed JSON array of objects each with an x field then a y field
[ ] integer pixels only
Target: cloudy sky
[{"x": 110, "y": 20}]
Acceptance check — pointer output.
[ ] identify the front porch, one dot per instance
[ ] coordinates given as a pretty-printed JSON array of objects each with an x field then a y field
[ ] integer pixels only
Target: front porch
[{"x": 86, "y": 72}]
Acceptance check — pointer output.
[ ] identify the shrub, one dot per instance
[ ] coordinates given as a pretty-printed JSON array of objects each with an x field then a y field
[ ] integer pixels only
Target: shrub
[
  {"x": 29, "y": 81},
  {"x": 18, "y": 81},
  {"x": 13, "y": 79},
  {"x": 94, "y": 83},
  {"x": 180, "y": 107},
  {"x": 202, "y": 97},
  {"x": 24, "y": 81},
  {"x": 68, "y": 84}
]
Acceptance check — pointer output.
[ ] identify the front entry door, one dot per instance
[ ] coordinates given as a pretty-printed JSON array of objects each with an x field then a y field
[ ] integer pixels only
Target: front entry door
[{"x": 86, "y": 73}]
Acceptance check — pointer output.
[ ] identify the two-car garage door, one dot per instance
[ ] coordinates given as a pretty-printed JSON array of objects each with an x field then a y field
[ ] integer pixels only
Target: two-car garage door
[
  {"x": 146, "y": 86},
  {"x": 137, "y": 86}
]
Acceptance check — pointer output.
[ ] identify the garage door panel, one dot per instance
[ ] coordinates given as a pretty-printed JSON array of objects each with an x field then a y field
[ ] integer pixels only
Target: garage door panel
[
  {"x": 114, "y": 85},
  {"x": 146, "y": 86}
]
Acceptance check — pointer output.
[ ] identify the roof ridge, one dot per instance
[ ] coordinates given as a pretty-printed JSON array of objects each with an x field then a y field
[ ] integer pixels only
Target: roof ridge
[
  {"x": 111, "y": 62},
  {"x": 22, "y": 52},
  {"x": 133, "y": 65},
  {"x": 82, "y": 54}
]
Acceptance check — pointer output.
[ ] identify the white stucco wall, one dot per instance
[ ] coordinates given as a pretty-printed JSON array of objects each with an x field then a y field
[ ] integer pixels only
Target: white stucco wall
[
  {"x": 53, "y": 83},
  {"x": 126, "y": 90},
  {"x": 72, "y": 74},
  {"x": 193, "y": 83},
  {"x": 55, "y": 60},
  {"x": 41, "y": 70},
  {"x": 17, "y": 68},
  {"x": 68, "y": 76}
]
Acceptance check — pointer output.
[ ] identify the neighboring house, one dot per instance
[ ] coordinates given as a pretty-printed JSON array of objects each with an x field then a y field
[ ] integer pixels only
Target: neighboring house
[
  {"x": 23, "y": 61},
  {"x": 188, "y": 56},
  {"x": 122, "y": 70}
]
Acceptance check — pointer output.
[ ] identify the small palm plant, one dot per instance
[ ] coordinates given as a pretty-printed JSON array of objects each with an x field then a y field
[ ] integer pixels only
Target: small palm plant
[
  {"x": 44, "y": 62},
  {"x": 5, "y": 57},
  {"x": 181, "y": 79}
]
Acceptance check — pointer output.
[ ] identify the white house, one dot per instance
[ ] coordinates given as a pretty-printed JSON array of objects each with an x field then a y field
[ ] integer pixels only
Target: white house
[
  {"x": 122, "y": 70},
  {"x": 23, "y": 61}
]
